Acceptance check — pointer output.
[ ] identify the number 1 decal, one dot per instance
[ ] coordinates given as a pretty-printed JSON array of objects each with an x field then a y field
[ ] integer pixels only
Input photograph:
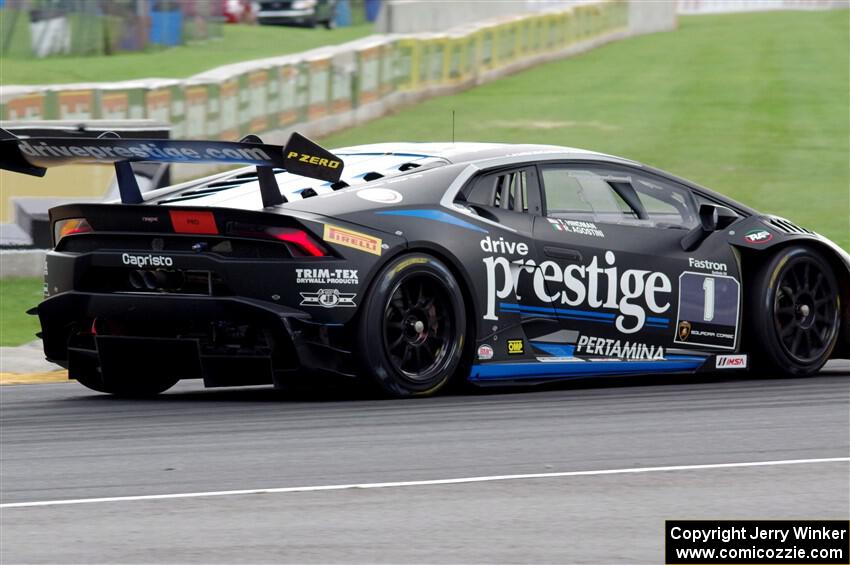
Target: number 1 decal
[
  {"x": 708, "y": 299},
  {"x": 708, "y": 310}
]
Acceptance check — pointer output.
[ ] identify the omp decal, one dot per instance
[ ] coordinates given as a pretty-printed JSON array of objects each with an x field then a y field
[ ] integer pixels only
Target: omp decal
[
  {"x": 352, "y": 239},
  {"x": 485, "y": 352},
  {"x": 328, "y": 298},
  {"x": 614, "y": 348},
  {"x": 516, "y": 347},
  {"x": 758, "y": 236},
  {"x": 730, "y": 362},
  {"x": 326, "y": 276},
  {"x": 518, "y": 371},
  {"x": 379, "y": 195},
  {"x": 708, "y": 310},
  {"x": 435, "y": 215},
  {"x": 708, "y": 265},
  {"x": 577, "y": 285},
  {"x": 575, "y": 226},
  {"x": 147, "y": 260}
]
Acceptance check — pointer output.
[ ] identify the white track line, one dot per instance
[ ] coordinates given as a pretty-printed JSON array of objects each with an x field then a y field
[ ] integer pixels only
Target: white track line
[{"x": 431, "y": 482}]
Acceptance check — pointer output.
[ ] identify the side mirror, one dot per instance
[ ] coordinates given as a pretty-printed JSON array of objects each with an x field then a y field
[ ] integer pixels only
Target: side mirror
[{"x": 712, "y": 217}]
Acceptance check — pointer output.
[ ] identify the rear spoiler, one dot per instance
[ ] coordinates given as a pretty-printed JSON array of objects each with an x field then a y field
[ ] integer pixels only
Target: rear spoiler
[{"x": 300, "y": 156}]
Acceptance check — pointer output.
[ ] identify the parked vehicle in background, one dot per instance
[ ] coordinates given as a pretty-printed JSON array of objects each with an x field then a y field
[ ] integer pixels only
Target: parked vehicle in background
[
  {"x": 309, "y": 13},
  {"x": 238, "y": 11}
]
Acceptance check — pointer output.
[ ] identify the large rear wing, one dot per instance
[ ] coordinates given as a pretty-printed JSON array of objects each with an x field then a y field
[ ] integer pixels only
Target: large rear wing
[{"x": 300, "y": 156}]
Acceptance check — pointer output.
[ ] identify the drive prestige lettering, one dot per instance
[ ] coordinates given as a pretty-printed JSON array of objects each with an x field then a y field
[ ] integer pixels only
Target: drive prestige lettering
[
  {"x": 147, "y": 260},
  {"x": 575, "y": 284}
]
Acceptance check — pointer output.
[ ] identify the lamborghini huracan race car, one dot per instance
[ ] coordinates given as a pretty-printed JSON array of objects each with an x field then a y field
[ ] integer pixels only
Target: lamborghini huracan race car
[{"x": 410, "y": 265}]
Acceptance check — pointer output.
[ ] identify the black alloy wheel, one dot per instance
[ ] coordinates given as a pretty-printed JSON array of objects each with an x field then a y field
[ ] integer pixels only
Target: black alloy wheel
[
  {"x": 796, "y": 312},
  {"x": 413, "y": 327}
]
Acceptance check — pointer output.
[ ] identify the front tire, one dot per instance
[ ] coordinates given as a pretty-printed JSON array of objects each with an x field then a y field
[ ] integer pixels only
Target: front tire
[
  {"x": 794, "y": 312},
  {"x": 412, "y": 329}
]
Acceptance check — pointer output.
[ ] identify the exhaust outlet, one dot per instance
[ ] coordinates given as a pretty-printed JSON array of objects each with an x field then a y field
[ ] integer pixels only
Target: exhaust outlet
[{"x": 136, "y": 280}]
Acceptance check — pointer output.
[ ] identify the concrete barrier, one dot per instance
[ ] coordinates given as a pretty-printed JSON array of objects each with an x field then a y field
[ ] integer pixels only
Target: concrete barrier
[{"x": 21, "y": 263}]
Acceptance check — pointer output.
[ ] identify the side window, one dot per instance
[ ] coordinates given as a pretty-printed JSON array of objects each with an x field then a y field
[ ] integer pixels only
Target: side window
[
  {"x": 581, "y": 194},
  {"x": 514, "y": 190},
  {"x": 616, "y": 196}
]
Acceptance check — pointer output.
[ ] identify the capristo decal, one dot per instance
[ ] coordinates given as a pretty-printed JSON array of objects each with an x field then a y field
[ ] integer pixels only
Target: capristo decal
[
  {"x": 326, "y": 276},
  {"x": 575, "y": 226},
  {"x": 485, "y": 352},
  {"x": 618, "y": 349},
  {"x": 353, "y": 239},
  {"x": 630, "y": 292},
  {"x": 379, "y": 195},
  {"x": 758, "y": 236},
  {"x": 146, "y": 260},
  {"x": 328, "y": 298}
]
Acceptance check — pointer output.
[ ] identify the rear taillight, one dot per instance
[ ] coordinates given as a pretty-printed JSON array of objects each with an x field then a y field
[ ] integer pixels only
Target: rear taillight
[
  {"x": 300, "y": 242},
  {"x": 70, "y": 226},
  {"x": 298, "y": 238}
]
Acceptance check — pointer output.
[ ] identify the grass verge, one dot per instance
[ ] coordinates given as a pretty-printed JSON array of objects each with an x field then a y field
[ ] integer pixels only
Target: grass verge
[
  {"x": 752, "y": 105},
  {"x": 239, "y": 43},
  {"x": 16, "y": 297}
]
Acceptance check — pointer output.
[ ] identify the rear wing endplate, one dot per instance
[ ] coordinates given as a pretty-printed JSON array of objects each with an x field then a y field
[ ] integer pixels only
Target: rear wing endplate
[{"x": 300, "y": 156}]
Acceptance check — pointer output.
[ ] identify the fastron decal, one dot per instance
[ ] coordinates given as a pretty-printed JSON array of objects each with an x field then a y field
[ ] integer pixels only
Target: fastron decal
[
  {"x": 614, "y": 348},
  {"x": 328, "y": 298},
  {"x": 326, "y": 276},
  {"x": 576, "y": 285},
  {"x": 730, "y": 362},
  {"x": 708, "y": 265},
  {"x": 147, "y": 260}
]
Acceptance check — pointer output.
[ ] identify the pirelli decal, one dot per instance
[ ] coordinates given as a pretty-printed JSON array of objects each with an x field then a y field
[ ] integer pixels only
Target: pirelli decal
[{"x": 353, "y": 239}]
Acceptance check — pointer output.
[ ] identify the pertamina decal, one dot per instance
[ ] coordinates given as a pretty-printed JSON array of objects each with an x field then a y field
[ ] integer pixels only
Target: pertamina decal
[
  {"x": 614, "y": 348},
  {"x": 328, "y": 298},
  {"x": 516, "y": 347},
  {"x": 352, "y": 239}
]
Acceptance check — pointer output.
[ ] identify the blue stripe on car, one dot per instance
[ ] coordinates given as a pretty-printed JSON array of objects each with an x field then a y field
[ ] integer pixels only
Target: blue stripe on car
[{"x": 435, "y": 215}]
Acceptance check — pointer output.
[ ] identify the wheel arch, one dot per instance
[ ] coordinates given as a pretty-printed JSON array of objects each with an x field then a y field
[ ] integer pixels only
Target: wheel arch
[{"x": 752, "y": 259}]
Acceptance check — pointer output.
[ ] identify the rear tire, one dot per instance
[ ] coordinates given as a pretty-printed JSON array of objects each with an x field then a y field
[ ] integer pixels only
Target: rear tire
[
  {"x": 794, "y": 312},
  {"x": 412, "y": 328},
  {"x": 129, "y": 389}
]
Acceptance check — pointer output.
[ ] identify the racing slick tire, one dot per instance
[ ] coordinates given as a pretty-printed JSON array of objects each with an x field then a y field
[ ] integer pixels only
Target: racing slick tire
[
  {"x": 794, "y": 312},
  {"x": 412, "y": 329},
  {"x": 129, "y": 389}
]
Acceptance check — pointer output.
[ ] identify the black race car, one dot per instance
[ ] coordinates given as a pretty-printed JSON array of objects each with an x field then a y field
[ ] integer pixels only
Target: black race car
[{"x": 410, "y": 265}]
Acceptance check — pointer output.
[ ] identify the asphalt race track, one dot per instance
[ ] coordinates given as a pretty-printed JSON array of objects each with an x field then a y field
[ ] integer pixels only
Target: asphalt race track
[{"x": 60, "y": 442}]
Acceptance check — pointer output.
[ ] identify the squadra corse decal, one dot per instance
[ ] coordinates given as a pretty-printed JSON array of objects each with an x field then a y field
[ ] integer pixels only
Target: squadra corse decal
[{"x": 507, "y": 264}]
